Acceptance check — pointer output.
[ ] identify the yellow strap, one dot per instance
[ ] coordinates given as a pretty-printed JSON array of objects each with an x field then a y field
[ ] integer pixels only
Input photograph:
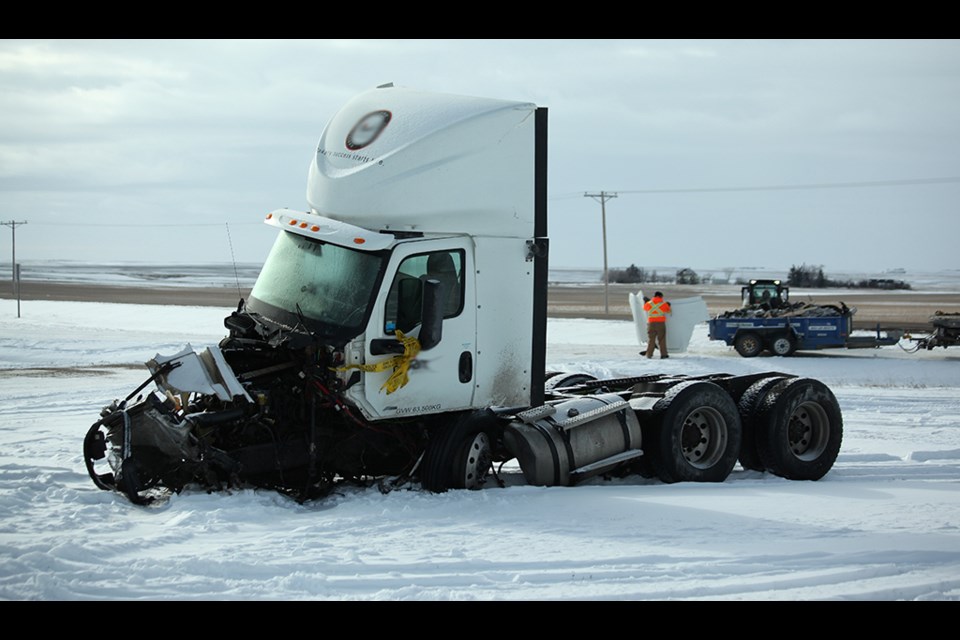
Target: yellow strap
[{"x": 399, "y": 362}]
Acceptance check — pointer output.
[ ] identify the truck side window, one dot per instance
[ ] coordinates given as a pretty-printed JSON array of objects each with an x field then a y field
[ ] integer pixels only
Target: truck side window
[{"x": 406, "y": 292}]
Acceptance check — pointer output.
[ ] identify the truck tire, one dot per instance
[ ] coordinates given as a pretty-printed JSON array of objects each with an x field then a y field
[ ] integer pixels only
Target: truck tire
[
  {"x": 748, "y": 407},
  {"x": 800, "y": 429},
  {"x": 460, "y": 455},
  {"x": 783, "y": 345},
  {"x": 566, "y": 379},
  {"x": 748, "y": 344},
  {"x": 695, "y": 435}
]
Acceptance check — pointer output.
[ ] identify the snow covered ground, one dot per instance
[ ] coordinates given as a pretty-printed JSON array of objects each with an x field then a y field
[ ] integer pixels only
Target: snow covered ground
[{"x": 884, "y": 524}]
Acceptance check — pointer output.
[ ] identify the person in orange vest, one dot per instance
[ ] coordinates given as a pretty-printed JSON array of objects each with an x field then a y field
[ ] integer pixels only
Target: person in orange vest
[{"x": 657, "y": 310}]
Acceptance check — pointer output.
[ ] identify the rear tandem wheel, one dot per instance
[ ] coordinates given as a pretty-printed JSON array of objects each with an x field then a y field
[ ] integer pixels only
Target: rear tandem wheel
[
  {"x": 694, "y": 435},
  {"x": 799, "y": 429},
  {"x": 748, "y": 407}
]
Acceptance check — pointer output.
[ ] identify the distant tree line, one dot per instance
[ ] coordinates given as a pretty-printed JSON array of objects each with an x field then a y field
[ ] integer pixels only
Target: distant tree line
[
  {"x": 813, "y": 277},
  {"x": 807, "y": 276},
  {"x": 634, "y": 274}
]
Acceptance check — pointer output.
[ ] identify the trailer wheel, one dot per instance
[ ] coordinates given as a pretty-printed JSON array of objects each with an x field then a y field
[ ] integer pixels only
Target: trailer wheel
[
  {"x": 748, "y": 345},
  {"x": 802, "y": 429},
  {"x": 460, "y": 455},
  {"x": 783, "y": 345},
  {"x": 696, "y": 436},
  {"x": 748, "y": 407}
]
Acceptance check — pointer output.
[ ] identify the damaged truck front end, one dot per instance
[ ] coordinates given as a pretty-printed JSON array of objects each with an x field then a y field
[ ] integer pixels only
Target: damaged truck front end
[
  {"x": 264, "y": 407},
  {"x": 248, "y": 412}
]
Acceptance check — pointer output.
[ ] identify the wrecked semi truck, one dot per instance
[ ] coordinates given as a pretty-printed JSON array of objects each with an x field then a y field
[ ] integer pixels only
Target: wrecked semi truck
[{"x": 397, "y": 334}]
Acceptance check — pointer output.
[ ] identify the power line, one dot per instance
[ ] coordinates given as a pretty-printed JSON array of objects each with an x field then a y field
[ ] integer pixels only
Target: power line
[
  {"x": 781, "y": 187},
  {"x": 787, "y": 187}
]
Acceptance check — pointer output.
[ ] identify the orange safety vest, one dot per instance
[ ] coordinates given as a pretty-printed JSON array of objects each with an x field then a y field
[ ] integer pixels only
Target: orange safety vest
[{"x": 656, "y": 309}]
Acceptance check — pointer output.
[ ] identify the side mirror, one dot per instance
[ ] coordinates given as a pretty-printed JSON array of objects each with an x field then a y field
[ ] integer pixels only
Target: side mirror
[
  {"x": 431, "y": 317},
  {"x": 431, "y": 327}
]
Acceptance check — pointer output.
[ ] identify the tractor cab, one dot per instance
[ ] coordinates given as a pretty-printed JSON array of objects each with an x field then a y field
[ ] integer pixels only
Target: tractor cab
[{"x": 771, "y": 293}]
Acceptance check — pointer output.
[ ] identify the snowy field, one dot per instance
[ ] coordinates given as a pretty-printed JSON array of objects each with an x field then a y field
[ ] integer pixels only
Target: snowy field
[{"x": 884, "y": 524}]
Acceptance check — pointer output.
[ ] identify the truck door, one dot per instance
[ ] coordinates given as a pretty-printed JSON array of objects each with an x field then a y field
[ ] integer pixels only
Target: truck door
[{"x": 442, "y": 378}]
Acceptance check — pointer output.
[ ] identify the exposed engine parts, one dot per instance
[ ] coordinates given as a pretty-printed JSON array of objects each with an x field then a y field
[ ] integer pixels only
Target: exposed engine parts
[{"x": 250, "y": 412}]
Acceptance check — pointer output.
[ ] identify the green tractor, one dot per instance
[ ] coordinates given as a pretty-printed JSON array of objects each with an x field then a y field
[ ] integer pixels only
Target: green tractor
[{"x": 772, "y": 293}]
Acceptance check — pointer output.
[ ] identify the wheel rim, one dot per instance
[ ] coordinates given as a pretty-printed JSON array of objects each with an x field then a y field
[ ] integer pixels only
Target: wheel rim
[
  {"x": 781, "y": 346},
  {"x": 808, "y": 431},
  {"x": 750, "y": 345},
  {"x": 703, "y": 437},
  {"x": 478, "y": 460}
]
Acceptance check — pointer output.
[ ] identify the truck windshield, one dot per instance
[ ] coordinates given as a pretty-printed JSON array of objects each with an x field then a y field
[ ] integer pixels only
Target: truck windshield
[{"x": 328, "y": 284}]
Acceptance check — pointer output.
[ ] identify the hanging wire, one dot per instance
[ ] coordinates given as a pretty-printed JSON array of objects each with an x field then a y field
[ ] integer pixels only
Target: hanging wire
[{"x": 234, "y": 260}]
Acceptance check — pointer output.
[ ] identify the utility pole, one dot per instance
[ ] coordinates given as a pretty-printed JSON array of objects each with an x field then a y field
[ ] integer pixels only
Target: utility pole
[
  {"x": 602, "y": 198},
  {"x": 13, "y": 258}
]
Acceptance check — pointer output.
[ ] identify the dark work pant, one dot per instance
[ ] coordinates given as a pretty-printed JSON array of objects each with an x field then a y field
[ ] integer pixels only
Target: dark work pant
[{"x": 657, "y": 337}]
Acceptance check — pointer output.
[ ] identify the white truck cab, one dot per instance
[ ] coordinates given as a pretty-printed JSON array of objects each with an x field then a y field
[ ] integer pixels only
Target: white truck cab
[{"x": 406, "y": 186}]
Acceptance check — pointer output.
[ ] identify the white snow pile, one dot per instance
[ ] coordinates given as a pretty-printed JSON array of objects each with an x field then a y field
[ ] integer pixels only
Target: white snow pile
[{"x": 884, "y": 524}]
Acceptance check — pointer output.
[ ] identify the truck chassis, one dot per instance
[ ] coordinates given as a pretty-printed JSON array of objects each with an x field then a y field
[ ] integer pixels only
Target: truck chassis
[{"x": 283, "y": 425}]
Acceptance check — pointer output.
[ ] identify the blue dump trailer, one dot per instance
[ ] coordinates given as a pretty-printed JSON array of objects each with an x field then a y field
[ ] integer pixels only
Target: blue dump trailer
[{"x": 784, "y": 335}]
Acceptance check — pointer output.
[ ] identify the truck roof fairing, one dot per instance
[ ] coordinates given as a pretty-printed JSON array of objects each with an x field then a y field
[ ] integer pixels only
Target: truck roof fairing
[{"x": 399, "y": 159}]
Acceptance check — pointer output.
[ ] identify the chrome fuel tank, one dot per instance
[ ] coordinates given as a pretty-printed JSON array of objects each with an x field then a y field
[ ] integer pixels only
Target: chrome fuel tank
[{"x": 568, "y": 441}]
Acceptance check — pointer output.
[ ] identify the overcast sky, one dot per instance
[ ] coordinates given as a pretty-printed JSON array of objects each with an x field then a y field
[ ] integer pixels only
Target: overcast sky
[{"x": 729, "y": 153}]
